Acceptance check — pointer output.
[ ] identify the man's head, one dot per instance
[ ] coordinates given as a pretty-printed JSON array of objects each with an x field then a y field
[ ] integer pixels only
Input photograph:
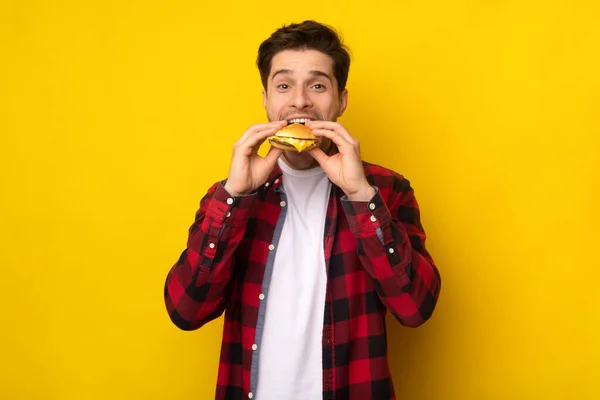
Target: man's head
[{"x": 304, "y": 69}]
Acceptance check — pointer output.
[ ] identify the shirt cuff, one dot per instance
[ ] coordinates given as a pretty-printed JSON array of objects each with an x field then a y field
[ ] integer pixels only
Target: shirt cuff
[
  {"x": 233, "y": 209},
  {"x": 367, "y": 216}
]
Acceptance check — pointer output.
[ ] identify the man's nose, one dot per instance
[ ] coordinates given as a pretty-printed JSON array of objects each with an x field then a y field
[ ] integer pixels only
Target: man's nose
[{"x": 301, "y": 98}]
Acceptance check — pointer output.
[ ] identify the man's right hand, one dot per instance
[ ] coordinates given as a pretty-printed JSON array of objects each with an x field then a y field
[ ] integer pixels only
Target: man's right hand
[{"x": 249, "y": 170}]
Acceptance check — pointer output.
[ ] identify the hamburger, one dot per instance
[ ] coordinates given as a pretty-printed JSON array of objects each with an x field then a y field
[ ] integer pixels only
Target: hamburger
[{"x": 295, "y": 136}]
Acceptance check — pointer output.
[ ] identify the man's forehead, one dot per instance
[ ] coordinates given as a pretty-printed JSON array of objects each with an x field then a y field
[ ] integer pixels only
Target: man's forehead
[{"x": 296, "y": 62}]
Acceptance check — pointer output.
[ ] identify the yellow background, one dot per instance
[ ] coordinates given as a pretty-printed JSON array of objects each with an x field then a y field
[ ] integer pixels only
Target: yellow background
[{"x": 116, "y": 116}]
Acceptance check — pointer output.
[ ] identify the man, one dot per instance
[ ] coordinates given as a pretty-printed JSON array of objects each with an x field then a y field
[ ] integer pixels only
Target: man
[{"x": 305, "y": 252}]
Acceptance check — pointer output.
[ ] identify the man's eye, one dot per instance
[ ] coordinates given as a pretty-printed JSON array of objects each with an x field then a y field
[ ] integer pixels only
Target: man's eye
[
  {"x": 319, "y": 86},
  {"x": 283, "y": 86}
]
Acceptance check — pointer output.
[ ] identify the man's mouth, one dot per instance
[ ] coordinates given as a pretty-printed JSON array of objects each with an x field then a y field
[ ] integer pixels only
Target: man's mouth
[{"x": 299, "y": 120}]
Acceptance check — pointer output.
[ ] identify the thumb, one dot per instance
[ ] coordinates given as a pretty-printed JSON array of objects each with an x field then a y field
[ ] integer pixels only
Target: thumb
[
  {"x": 318, "y": 155},
  {"x": 273, "y": 155}
]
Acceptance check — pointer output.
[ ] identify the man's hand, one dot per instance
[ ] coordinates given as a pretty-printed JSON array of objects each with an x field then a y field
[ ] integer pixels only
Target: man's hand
[
  {"x": 248, "y": 170},
  {"x": 345, "y": 168}
]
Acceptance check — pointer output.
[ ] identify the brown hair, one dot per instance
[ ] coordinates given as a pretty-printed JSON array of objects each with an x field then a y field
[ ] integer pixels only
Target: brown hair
[{"x": 308, "y": 35}]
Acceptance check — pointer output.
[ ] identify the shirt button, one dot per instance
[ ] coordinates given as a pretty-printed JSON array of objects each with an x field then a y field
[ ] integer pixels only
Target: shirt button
[
  {"x": 271, "y": 247},
  {"x": 212, "y": 245},
  {"x": 250, "y": 395},
  {"x": 230, "y": 201},
  {"x": 277, "y": 181},
  {"x": 228, "y": 214},
  {"x": 254, "y": 347},
  {"x": 282, "y": 204},
  {"x": 371, "y": 206},
  {"x": 267, "y": 184},
  {"x": 261, "y": 296},
  {"x": 391, "y": 251},
  {"x": 373, "y": 218}
]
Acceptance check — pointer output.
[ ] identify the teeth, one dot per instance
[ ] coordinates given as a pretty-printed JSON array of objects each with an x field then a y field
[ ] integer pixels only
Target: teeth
[{"x": 299, "y": 120}]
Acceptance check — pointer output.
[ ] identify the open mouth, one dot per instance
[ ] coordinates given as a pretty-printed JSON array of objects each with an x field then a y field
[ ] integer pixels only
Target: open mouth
[{"x": 299, "y": 121}]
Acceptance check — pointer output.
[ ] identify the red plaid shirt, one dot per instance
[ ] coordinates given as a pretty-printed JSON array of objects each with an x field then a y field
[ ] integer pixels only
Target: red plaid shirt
[{"x": 376, "y": 261}]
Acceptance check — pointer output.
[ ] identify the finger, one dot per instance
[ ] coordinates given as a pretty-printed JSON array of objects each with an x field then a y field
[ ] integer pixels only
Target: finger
[
  {"x": 335, "y": 137},
  {"x": 319, "y": 155},
  {"x": 253, "y": 139},
  {"x": 256, "y": 139},
  {"x": 334, "y": 126},
  {"x": 261, "y": 127},
  {"x": 273, "y": 154}
]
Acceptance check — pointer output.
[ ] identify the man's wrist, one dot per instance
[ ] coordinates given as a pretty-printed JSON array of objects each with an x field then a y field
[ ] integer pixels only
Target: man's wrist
[
  {"x": 232, "y": 192},
  {"x": 364, "y": 194}
]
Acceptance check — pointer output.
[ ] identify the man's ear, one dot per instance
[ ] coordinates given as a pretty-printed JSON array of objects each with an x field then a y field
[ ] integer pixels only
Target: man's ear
[
  {"x": 343, "y": 102},
  {"x": 264, "y": 96}
]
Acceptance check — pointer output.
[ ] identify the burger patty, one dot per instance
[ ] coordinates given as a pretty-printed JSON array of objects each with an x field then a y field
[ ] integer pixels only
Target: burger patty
[{"x": 298, "y": 144}]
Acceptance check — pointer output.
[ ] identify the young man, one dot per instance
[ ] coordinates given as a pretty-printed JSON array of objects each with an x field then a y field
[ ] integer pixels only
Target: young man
[{"x": 305, "y": 252}]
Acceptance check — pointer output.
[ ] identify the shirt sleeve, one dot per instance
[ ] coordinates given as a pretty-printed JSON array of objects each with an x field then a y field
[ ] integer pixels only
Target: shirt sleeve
[
  {"x": 198, "y": 286},
  {"x": 391, "y": 247}
]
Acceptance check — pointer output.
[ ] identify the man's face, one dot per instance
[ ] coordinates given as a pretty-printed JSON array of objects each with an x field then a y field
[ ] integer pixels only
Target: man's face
[{"x": 301, "y": 84}]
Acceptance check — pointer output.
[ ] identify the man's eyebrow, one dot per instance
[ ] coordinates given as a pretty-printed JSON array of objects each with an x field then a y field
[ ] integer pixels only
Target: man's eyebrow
[
  {"x": 314, "y": 72},
  {"x": 281, "y": 71}
]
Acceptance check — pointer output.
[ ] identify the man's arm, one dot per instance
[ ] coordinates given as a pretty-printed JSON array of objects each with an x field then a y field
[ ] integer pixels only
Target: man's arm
[
  {"x": 391, "y": 241},
  {"x": 198, "y": 286},
  {"x": 391, "y": 247}
]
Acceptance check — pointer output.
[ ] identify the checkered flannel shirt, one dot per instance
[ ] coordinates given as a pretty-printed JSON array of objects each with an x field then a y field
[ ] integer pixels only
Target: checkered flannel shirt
[{"x": 376, "y": 262}]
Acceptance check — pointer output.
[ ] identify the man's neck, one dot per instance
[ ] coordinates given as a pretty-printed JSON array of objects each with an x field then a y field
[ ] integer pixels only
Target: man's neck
[
  {"x": 330, "y": 150},
  {"x": 312, "y": 165}
]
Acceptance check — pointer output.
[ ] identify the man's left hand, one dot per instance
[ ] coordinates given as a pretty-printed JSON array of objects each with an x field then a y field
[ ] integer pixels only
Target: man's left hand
[{"x": 345, "y": 168}]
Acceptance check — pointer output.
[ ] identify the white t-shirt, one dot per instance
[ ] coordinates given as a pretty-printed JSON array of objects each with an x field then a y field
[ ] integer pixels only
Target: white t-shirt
[{"x": 290, "y": 358}]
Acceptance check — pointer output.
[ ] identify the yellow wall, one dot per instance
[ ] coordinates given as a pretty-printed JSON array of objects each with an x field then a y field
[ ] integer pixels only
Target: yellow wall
[{"x": 116, "y": 116}]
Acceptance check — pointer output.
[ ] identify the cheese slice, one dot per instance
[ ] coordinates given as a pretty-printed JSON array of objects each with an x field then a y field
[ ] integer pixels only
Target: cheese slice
[{"x": 299, "y": 144}]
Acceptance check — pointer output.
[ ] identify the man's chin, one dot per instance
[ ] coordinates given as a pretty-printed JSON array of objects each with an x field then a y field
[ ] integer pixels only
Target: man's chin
[{"x": 299, "y": 161}]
